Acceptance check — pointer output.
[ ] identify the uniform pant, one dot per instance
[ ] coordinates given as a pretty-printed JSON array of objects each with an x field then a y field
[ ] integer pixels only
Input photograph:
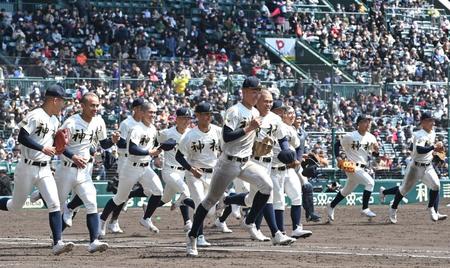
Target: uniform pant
[
  {"x": 79, "y": 181},
  {"x": 25, "y": 177},
  {"x": 130, "y": 175},
  {"x": 360, "y": 176},
  {"x": 175, "y": 183},
  {"x": 241, "y": 186},
  {"x": 266, "y": 167},
  {"x": 199, "y": 188},
  {"x": 413, "y": 173},
  {"x": 227, "y": 170},
  {"x": 286, "y": 181}
]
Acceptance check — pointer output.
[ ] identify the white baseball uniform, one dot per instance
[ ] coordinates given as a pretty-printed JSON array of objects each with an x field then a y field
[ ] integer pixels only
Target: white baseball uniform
[
  {"x": 201, "y": 150},
  {"x": 125, "y": 128},
  {"x": 137, "y": 167},
  {"x": 33, "y": 168},
  {"x": 234, "y": 161},
  {"x": 68, "y": 176},
  {"x": 357, "y": 149},
  {"x": 172, "y": 172},
  {"x": 421, "y": 167}
]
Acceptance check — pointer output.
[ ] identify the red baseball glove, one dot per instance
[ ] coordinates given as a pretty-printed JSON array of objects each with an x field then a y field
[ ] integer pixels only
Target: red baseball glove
[{"x": 61, "y": 140}]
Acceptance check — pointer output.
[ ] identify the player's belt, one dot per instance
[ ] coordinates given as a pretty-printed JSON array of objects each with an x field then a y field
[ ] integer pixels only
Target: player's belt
[
  {"x": 360, "y": 165},
  {"x": 177, "y": 168},
  {"x": 279, "y": 168},
  {"x": 70, "y": 164},
  {"x": 207, "y": 170},
  {"x": 421, "y": 164},
  {"x": 36, "y": 163},
  {"x": 146, "y": 164},
  {"x": 263, "y": 159},
  {"x": 237, "y": 159}
]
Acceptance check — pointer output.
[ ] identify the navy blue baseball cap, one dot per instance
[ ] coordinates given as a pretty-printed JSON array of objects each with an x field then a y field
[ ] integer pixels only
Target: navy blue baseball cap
[
  {"x": 203, "y": 107},
  {"x": 137, "y": 102},
  {"x": 363, "y": 117},
  {"x": 277, "y": 104},
  {"x": 58, "y": 91},
  {"x": 251, "y": 82},
  {"x": 183, "y": 112},
  {"x": 426, "y": 116}
]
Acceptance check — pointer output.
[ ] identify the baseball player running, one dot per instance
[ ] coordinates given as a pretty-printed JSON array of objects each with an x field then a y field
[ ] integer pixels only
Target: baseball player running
[
  {"x": 420, "y": 167},
  {"x": 357, "y": 146},
  {"x": 140, "y": 146},
  {"x": 198, "y": 152},
  {"x": 287, "y": 180},
  {"x": 239, "y": 132},
  {"x": 75, "y": 172},
  {"x": 36, "y": 134}
]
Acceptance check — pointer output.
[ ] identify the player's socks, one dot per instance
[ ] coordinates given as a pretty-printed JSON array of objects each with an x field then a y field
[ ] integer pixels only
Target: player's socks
[
  {"x": 296, "y": 216},
  {"x": 366, "y": 198},
  {"x": 116, "y": 211},
  {"x": 269, "y": 215},
  {"x": 398, "y": 197},
  {"x": 258, "y": 205},
  {"x": 161, "y": 203},
  {"x": 75, "y": 202},
  {"x": 139, "y": 192},
  {"x": 55, "y": 225},
  {"x": 339, "y": 197},
  {"x": 391, "y": 191},
  {"x": 189, "y": 202},
  {"x": 236, "y": 199},
  {"x": 279, "y": 216},
  {"x": 259, "y": 219},
  {"x": 200, "y": 230},
  {"x": 436, "y": 203},
  {"x": 433, "y": 196},
  {"x": 109, "y": 207},
  {"x": 153, "y": 203},
  {"x": 3, "y": 203},
  {"x": 199, "y": 216},
  {"x": 226, "y": 212},
  {"x": 92, "y": 225},
  {"x": 184, "y": 213}
]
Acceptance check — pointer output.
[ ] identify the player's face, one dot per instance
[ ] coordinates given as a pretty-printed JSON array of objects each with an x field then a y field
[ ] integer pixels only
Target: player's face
[
  {"x": 91, "y": 106},
  {"x": 264, "y": 103},
  {"x": 203, "y": 118},
  {"x": 250, "y": 96},
  {"x": 297, "y": 122},
  {"x": 137, "y": 113},
  {"x": 59, "y": 104},
  {"x": 289, "y": 117},
  {"x": 428, "y": 124},
  {"x": 147, "y": 116},
  {"x": 364, "y": 126},
  {"x": 183, "y": 122}
]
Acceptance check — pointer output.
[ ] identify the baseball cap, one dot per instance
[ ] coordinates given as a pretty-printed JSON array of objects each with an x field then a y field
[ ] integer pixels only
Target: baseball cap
[
  {"x": 183, "y": 112},
  {"x": 426, "y": 115},
  {"x": 203, "y": 107},
  {"x": 298, "y": 114},
  {"x": 277, "y": 104},
  {"x": 58, "y": 91},
  {"x": 363, "y": 117},
  {"x": 251, "y": 82},
  {"x": 137, "y": 102}
]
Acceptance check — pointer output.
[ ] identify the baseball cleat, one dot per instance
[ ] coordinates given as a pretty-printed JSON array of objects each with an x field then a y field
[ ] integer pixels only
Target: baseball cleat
[
  {"x": 222, "y": 226},
  {"x": 148, "y": 224},
  {"x": 262, "y": 237},
  {"x": 191, "y": 246},
  {"x": 313, "y": 217},
  {"x": 251, "y": 229},
  {"x": 35, "y": 196},
  {"x": 300, "y": 233},
  {"x": 393, "y": 215},
  {"x": 433, "y": 214},
  {"x": 382, "y": 195},
  {"x": 67, "y": 215},
  {"x": 61, "y": 247},
  {"x": 114, "y": 227},
  {"x": 102, "y": 231},
  {"x": 201, "y": 241},
  {"x": 441, "y": 217},
  {"x": 330, "y": 212},
  {"x": 187, "y": 226},
  {"x": 97, "y": 246},
  {"x": 282, "y": 239},
  {"x": 368, "y": 213}
]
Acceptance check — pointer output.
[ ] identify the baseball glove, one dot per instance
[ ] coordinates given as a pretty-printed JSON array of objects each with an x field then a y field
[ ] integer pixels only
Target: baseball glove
[
  {"x": 261, "y": 148},
  {"x": 347, "y": 166},
  {"x": 61, "y": 140}
]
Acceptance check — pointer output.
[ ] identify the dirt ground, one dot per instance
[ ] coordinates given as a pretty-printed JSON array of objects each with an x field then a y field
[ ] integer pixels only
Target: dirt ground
[{"x": 351, "y": 241}]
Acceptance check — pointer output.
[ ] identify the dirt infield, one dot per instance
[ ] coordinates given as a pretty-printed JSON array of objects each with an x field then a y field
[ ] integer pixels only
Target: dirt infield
[{"x": 351, "y": 241}]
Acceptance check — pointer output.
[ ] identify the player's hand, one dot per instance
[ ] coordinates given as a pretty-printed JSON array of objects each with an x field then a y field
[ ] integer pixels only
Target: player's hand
[
  {"x": 50, "y": 150},
  {"x": 115, "y": 137},
  {"x": 79, "y": 161},
  {"x": 254, "y": 124},
  {"x": 158, "y": 162},
  {"x": 439, "y": 145},
  {"x": 154, "y": 152},
  {"x": 196, "y": 172}
]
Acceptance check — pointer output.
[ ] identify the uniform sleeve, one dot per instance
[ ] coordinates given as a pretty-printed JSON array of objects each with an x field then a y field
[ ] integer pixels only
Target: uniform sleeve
[
  {"x": 135, "y": 136},
  {"x": 232, "y": 119},
  {"x": 123, "y": 130},
  {"x": 346, "y": 141},
  {"x": 183, "y": 145},
  {"x": 102, "y": 131},
  {"x": 161, "y": 136},
  {"x": 280, "y": 133},
  {"x": 69, "y": 124},
  {"x": 29, "y": 123}
]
